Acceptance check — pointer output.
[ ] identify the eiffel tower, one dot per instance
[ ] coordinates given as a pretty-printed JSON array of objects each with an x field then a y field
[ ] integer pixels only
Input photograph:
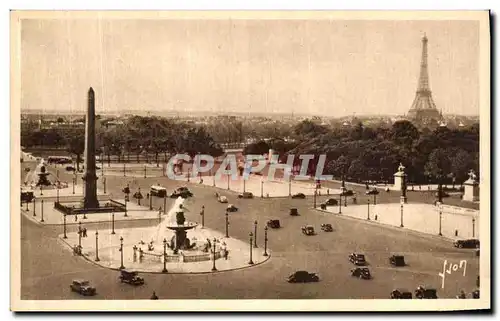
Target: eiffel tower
[{"x": 423, "y": 110}]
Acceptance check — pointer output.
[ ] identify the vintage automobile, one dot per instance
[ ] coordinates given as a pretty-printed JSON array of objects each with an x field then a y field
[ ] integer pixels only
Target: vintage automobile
[
  {"x": 294, "y": 212},
  {"x": 475, "y": 294},
  {"x": 70, "y": 168},
  {"x": 471, "y": 243},
  {"x": 331, "y": 202},
  {"x": 362, "y": 273},
  {"x": 401, "y": 294},
  {"x": 222, "y": 199},
  {"x": 27, "y": 196},
  {"x": 245, "y": 195},
  {"x": 232, "y": 208},
  {"x": 347, "y": 192},
  {"x": 303, "y": 277},
  {"x": 183, "y": 192},
  {"x": 82, "y": 287},
  {"x": 131, "y": 277},
  {"x": 423, "y": 293},
  {"x": 327, "y": 227},
  {"x": 373, "y": 191},
  {"x": 299, "y": 196},
  {"x": 357, "y": 259},
  {"x": 273, "y": 224},
  {"x": 397, "y": 260},
  {"x": 308, "y": 230}
]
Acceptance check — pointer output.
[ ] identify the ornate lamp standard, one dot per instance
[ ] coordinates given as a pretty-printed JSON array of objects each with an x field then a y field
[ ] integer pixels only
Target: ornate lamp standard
[
  {"x": 340, "y": 203},
  {"x": 314, "y": 198},
  {"x": 104, "y": 183},
  {"x": 228, "y": 180},
  {"x": 202, "y": 213},
  {"x": 473, "y": 227},
  {"x": 64, "y": 224},
  {"x": 42, "y": 213},
  {"x": 368, "y": 210},
  {"x": 262, "y": 188},
  {"x": 124, "y": 170},
  {"x": 74, "y": 179},
  {"x": 34, "y": 206},
  {"x": 251, "y": 243},
  {"x": 164, "y": 256},
  {"x": 290, "y": 185},
  {"x": 97, "y": 246},
  {"x": 265, "y": 241},
  {"x": 80, "y": 236},
  {"x": 121, "y": 253},
  {"x": 113, "y": 221},
  {"x": 144, "y": 171},
  {"x": 401, "y": 215},
  {"x": 213, "y": 267},
  {"x": 440, "y": 220},
  {"x": 227, "y": 223},
  {"x": 255, "y": 234}
]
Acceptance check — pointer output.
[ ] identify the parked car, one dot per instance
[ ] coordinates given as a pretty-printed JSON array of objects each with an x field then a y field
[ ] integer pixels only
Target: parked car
[
  {"x": 331, "y": 202},
  {"x": 471, "y": 243},
  {"x": 308, "y": 230},
  {"x": 373, "y": 191},
  {"x": 27, "y": 196},
  {"x": 347, "y": 192},
  {"x": 401, "y": 294},
  {"x": 299, "y": 196},
  {"x": 245, "y": 195},
  {"x": 362, "y": 273},
  {"x": 423, "y": 293},
  {"x": 222, "y": 199},
  {"x": 327, "y": 227},
  {"x": 397, "y": 260},
  {"x": 357, "y": 259},
  {"x": 82, "y": 287},
  {"x": 232, "y": 208},
  {"x": 273, "y": 224},
  {"x": 183, "y": 192},
  {"x": 303, "y": 277},
  {"x": 294, "y": 212},
  {"x": 131, "y": 277},
  {"x": 70, "y": 168},
  {"x": 475, "y": 294}
]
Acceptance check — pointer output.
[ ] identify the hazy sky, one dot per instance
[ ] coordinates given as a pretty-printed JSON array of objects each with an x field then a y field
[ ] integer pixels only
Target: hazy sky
[{"x": 321, "y": 67}]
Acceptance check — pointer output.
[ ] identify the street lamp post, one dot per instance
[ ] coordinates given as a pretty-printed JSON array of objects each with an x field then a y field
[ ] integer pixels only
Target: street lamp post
[
  {"x": 150, "y": 202},
  {"x": 440, "y": 220},
  {"x": 113, "y": 221},
  {"x": 314, "y": 199},
  {"x": 251, "y": 243},
  {"x": 340, "y": 203},
  {"x": 289, "y": 185},
  {"x": 74, "y": 185},
  {"x": 227, "y": 223},
  {"x": 121, "y": 253},
  {"x": 401, "y": 215},
  {"x": 213, "y": 267},
  {"x": 165, "y": 203},
  {"x": 244, "y": 183},
  {"x": 144, "y": 171},
  {"x": 265, "y": 241},
  {"x": 473, "y": 227},
  {"x": 262, "y": 189},
  {"x": 368, "y": 210},
  {"x": 228, "y": 182},
  {"x": 34, "y": 206},
  {"x": 80, "y": 235},
  {"x": 56, "y": 192},
  {"x": 202, "y": 213},
  {"x": 124, "y": 170},
  {"x": 42, "y": 213},
  {"x": 164, "y": 256},
  {"x": 104, "y": 183},
  {"x": 97, "y": 246},
  {"x": 255, "y": 234},
  {"x": 64, "y": 226},
  {"x": 102, "y": 162}
]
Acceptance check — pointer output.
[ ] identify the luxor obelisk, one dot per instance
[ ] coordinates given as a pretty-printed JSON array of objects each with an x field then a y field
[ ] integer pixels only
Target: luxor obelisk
[{"x": 90, "y": 177}]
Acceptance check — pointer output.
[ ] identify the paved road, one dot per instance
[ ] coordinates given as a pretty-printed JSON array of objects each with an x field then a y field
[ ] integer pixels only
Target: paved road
[{"x": 47, "y": 270}]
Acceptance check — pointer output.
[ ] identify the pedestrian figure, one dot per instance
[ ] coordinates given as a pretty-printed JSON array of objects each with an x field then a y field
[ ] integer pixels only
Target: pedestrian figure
[
  {"x": 160, "y": 210},
  {"x": 154, "y": 297},
  {"x": 376, "y": 217},
  {"x": 76, "y": 218},
  {"x": 141, "y": 255},
  {"x": 354, "y": 200},
  {"x": 226, "y": 254},
  {"x": 327, "y": 191},
  {"x": 84, "y": 232},
  {"x": 147, "y": 196},
  {"x": 456, "y": 232}
]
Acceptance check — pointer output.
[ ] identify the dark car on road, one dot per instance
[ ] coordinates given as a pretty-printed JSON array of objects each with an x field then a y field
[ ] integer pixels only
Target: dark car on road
[
  {"x": 232, "y": 208},
  {"x": 303, "y": 277},
  {"x": 294, "y": 212},
  {"x": 183, "y": 192},
  {"x": 273, "y": 224},
  {"x": 82, "y": 287},
  {"x": 299, "y": 196},
  {"x": 397, "y": 260},
  {"x": 357, "y": 259},
  {"x": 245, "y": 195},
  {"x": 70, "y": 168},
  {"x": 362, "y": 273},
  {"x": 401, "y": 294},
  {"x": 424, "y": 293},
  {"x": 27, "y": 196},
  {"x": 327, "y": 227},
  {"x": 470, "y": 244},
  {"x": 131, "y": 277},
  {"x": 331, "y": 202},
  {"x": 308, "y": 230}
]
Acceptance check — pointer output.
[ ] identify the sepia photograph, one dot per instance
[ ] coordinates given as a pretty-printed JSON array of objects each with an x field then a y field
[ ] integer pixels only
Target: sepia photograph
[{"x": 250, "y": 161}]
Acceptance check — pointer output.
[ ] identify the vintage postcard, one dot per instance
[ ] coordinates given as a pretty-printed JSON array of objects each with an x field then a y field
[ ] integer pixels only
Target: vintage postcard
[{"x": 250, "y": 161}]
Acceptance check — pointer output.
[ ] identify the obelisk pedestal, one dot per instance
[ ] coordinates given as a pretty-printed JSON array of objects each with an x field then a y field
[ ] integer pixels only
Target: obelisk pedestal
[
  {"x": 90, "y": 177},
  {"x": 471, "y": 188},
  {"x": 400, "y": 182}
]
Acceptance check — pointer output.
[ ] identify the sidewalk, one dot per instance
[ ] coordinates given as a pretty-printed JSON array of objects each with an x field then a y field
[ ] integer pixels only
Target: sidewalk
[
  {"x": 418, "y": 217},
  {"x": 110, "y": 255}
]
